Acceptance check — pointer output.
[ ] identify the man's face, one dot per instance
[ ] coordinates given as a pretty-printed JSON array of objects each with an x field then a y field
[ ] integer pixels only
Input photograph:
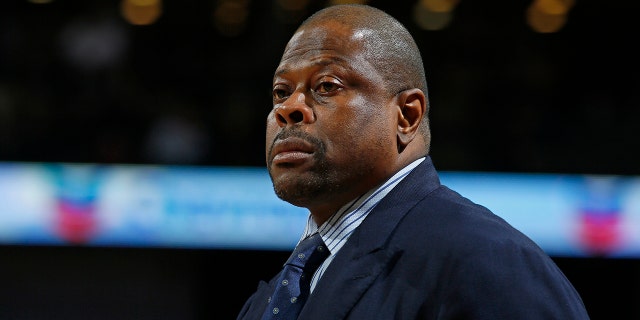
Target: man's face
[{"x": 332, "y": 131}]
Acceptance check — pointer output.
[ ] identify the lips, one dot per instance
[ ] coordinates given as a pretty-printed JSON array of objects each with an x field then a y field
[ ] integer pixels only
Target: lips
[{"x": 291, "y": 150}]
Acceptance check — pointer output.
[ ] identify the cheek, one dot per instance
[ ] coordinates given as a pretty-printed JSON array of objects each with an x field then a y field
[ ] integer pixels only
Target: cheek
[
  {"x": 359, "y": 130},
  {"x": 272, "y": 130},
  {"x": 373, "y": 122}
]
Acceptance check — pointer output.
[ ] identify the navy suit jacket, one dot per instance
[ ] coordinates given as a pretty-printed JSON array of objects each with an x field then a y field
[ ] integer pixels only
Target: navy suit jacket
[{"x": 426, "y": 252}]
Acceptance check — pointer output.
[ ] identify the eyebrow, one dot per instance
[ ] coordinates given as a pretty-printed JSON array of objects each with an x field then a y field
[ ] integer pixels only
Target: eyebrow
[{"x": 323, "y": 62}]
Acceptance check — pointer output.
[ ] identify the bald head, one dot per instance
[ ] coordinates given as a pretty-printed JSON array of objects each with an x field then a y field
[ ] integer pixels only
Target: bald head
[
  {"x": 387, "y": 42},
  {"x": 388, "y": 45}
]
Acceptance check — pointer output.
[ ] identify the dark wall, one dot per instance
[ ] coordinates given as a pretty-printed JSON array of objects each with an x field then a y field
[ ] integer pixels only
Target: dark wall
[{"x": 69, "y": 283}]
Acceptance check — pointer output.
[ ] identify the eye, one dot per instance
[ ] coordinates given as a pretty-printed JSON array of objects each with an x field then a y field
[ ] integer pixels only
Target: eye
[
  {"x": 279, "y": 93},
  {"x": 327, "y": 87}
]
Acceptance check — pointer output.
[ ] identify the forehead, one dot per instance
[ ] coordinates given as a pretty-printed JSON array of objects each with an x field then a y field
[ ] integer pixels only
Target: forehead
[{"x": 327, "y": 41}]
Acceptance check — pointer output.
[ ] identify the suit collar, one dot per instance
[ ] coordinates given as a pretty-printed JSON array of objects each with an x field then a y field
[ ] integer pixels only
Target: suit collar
[{"x": 365, "y": 254}]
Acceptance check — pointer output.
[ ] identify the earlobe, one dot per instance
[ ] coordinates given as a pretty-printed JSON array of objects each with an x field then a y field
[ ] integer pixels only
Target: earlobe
[{"x": 412, "y": 108}]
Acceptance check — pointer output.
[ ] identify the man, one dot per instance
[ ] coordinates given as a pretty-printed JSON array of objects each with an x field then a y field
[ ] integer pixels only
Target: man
[{"x": 348, "y": 138}]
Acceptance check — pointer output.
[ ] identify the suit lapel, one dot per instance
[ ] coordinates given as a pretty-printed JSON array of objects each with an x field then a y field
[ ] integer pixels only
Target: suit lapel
[{"x": 367, "y": 252}]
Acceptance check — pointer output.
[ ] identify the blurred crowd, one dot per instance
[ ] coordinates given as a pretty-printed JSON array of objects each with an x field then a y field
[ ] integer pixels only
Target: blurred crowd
[{"x": 80, "y": 84}]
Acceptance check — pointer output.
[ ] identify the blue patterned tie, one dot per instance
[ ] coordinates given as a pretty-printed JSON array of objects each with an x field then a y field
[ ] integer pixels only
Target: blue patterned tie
[{"x": 294, "y": 283}]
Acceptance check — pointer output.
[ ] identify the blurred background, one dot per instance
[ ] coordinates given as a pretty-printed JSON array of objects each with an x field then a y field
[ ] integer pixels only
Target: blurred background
[{"x": 530, "y": 86}]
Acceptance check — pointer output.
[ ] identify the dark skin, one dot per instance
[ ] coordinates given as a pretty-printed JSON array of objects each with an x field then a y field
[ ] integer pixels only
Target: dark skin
[{"x": 335, "y": 130}]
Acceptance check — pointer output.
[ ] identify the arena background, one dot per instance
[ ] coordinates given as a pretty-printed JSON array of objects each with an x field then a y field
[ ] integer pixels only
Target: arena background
[{"x": 146, "y": 82}]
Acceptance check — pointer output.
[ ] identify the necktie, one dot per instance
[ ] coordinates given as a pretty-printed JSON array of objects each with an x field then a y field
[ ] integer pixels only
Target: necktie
[{"x": 293, "y": 286}]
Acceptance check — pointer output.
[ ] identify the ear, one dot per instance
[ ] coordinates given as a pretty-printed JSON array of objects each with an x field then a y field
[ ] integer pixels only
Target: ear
[{"x": 412, "y": 108}]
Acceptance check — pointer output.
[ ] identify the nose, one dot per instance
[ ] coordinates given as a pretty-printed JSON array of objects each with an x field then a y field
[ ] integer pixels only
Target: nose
[{"x": 294, "y": 110}]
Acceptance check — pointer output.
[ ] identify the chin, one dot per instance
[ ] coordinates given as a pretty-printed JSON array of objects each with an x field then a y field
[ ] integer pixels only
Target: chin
[
  {"x": 295, "y": 189},
  {"x": 292, "y": 198}
]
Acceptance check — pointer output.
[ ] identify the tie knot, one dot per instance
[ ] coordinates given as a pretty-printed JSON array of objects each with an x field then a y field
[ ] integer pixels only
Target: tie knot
[{"x": 309, "y": 253}]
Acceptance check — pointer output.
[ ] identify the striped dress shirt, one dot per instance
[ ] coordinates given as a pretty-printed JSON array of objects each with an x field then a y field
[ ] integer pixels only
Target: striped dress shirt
[{"x": 336, "y": 231}]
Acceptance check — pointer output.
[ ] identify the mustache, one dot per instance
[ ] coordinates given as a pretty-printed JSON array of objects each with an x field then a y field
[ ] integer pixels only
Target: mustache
[{"x": 296, "y": 133}]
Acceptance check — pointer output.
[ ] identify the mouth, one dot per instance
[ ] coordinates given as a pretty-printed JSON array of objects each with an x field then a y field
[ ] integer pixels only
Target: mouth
[{"x": 291, "y": 151}]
